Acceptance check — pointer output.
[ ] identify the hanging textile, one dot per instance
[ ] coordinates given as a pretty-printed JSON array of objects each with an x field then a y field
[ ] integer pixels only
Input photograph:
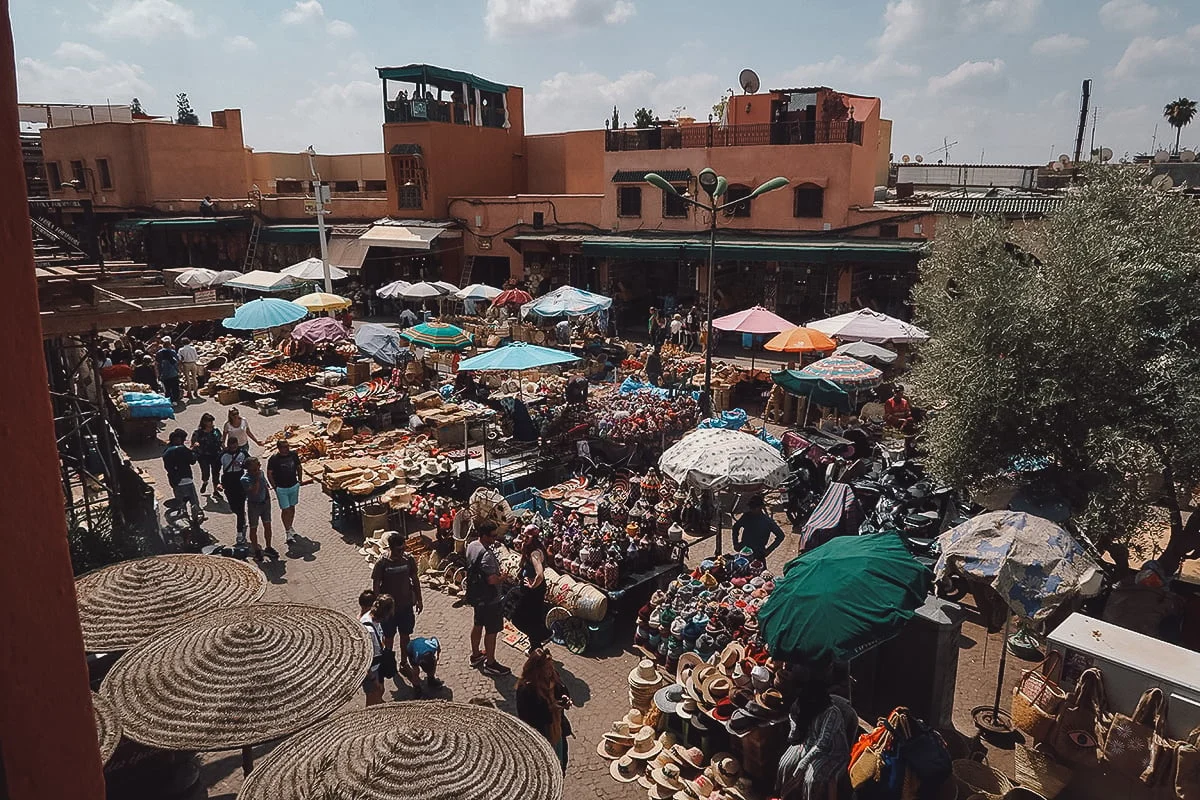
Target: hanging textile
[{"x": 478, "y": 108}]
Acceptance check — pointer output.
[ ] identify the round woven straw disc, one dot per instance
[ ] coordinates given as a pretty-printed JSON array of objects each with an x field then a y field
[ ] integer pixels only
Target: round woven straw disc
[
  {"x": 122, "y": 604},
  {"x": 238, "y": 676},
  {"x": 108, "y": 726},
  {"x": 422, "y": 750}
]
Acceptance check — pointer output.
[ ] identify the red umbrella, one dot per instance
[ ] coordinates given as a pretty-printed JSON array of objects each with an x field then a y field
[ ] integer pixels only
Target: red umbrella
[{"x": 514, "y": 297}]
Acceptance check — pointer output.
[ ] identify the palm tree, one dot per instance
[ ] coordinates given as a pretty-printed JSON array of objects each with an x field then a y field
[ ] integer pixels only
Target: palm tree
[{"x": 1179, "y": 113}]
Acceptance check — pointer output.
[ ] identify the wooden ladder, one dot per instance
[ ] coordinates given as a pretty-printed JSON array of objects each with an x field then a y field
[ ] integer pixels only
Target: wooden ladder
[
  {"x": 465, "y": 279},
  {"x": 252, "y": 246}
]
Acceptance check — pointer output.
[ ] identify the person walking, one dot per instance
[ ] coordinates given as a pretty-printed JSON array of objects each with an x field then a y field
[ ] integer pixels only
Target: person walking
[
  {"x": 652, "y": 324},
  {"x": 395, "y": 574},
  {"x": 654, "y": 366},
  {"x": 483, "y": 593},
  {"x": 677, "y": 329},
  {"x": 283, "y": 469},
  {"x": 206, "y": 441},
  {"x": 258, "y": 507},
  {"x": 233, "y": 467},
  {"x": 753, "y": 531},
  {"x": 189, "y": 365},
  {"x": 542, "y": 699},
  {"x": 239, "y": 429},
  {"x": 529, "y": 615},
  {"x": 178, "y": 459},
  {"x": 167, "y": 360},
  {"x": 373, "y": 620}
]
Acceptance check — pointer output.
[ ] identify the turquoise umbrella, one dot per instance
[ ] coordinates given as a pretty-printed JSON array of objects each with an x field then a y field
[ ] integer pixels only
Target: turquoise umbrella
[
  {"x": 266, "y": 312},
  {"x": 819, "y": 391},
  {"x": 516, "y": 356},
  {"x": 842, "y": 598},
  {"x": 438, "y": 336}
]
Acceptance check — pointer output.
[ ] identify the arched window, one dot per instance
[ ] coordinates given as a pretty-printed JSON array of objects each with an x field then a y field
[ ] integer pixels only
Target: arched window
[{"x": 810, "y": 201}]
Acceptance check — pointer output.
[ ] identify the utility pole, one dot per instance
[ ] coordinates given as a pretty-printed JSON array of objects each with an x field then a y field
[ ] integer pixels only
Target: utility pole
[{"x": 320, "y": 191}]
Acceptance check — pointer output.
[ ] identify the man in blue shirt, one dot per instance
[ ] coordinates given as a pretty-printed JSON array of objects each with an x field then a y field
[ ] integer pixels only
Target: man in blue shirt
[{"x": 754, "y": 530}]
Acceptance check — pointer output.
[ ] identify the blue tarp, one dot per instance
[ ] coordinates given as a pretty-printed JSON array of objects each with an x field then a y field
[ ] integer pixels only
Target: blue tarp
[
  {"x": 148, "y": 406},
  {"x": 735, "y": 419},
  {"x": 632, "y": 386}
]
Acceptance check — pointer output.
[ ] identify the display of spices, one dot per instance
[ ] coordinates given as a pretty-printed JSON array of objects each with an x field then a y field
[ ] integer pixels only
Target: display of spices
[{"x": 288, "y": 372}]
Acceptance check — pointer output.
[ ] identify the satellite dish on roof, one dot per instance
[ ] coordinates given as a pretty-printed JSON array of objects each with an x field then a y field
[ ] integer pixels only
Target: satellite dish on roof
[
  {"x": 905, "y": 159},
  {"x": 1064, "y": 159},
  {"x": 920, "y": 158},
  {"x": 1057, "y": 166},
  {"x": 1161, "y": 156},
  {"x": 1187, "y": 156},
  {"x": 1162, "y": 181},
  {"x": 748, "y": 79},
  {"x": 1106, "y": 154}
]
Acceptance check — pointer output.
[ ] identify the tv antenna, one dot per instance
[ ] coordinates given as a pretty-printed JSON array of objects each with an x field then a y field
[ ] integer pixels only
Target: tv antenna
[
  {"x": 944, "y": 149},
  {"x": 748, "y": 79}
]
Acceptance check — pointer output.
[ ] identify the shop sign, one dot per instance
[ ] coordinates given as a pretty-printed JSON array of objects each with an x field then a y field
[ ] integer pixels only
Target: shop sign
[{"x": 205, "y": 296}]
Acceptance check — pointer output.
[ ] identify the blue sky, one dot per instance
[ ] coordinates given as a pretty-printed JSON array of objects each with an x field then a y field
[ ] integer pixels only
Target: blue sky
[{"x": 999, "y": 77}]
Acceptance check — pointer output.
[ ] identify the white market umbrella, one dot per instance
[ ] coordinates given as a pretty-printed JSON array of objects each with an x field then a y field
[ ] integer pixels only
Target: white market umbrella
[
  {"x": 866, "y": 325},
  {"x": 449, "y": 287},
  {"x": 392, "y": 290},
  {"x": 225, "y": 276},
  {"x": 566, "y": 301},
  {"x": 421, "y": 291},
  {"x": 865, "y": 351},
  {"x": 196, "y": 278},
  {"x": 477, "y": 291},
  {"x": 720, "y": 458},
  {"x": 312, "y": 269}
]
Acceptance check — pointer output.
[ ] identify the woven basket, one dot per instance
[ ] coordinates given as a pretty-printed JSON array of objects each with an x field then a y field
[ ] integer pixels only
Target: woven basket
[
  {"x": 1038, "y": 771},
  {"x": 591, "y": 603},
  {"x": 974, "y": 778}
]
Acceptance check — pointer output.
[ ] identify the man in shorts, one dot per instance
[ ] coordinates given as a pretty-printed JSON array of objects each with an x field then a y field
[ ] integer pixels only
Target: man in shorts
[
  {"x": 424, "y": 653},
  {"x": 395, "y": 574},
  {"x": 489, "y": 611},
  {"x": 258, "y": 507},
  {"x": 283, "y": 469}
]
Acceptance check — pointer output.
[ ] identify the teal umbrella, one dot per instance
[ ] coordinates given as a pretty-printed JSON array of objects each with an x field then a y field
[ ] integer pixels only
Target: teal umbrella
[
  {"x": 842, "y": 598},
  {"x": 819, "y": 391},
  {"x": 266, "y": 312},
  {"x": 516, "y": 356},
  {"x": 438, "y": 336}
]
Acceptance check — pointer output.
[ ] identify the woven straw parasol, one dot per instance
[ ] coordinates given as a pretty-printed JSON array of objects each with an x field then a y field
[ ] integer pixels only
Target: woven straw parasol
[
  {"x": 236, "y": 677},
  {"x": 108, "y": 726},
  {"x": 123, "y": 603},
  {"x": 423, "y": 750}
]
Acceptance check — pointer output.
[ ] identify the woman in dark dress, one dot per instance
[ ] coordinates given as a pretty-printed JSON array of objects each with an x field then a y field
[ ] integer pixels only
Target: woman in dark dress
[
  {"x": 529, "y": 615},
  {"x": 207, "y": 442},
  {"x": 541, "y": 699}
]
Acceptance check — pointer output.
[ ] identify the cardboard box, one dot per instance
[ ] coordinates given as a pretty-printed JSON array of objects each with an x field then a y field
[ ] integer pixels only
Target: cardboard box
[
  {"x": 228, "y": 397},
  {"x": 358, "y": 372}
]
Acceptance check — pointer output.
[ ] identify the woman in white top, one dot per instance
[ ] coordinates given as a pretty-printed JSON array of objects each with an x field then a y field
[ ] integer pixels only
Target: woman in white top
[
  {"x": 239, "y": 429},
  {"x": 381, "y": 610}
]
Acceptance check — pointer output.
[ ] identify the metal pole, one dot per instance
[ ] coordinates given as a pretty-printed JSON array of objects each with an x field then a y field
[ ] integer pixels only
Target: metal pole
[
  {"x": 1000, "y": 677},
  {"x": 708, "y": 342},
  {"x": 319, "y": 191}
]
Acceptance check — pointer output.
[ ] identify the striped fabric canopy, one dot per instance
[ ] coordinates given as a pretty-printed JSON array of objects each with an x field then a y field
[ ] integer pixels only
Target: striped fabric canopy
[
  {"x": 438, "y": 336},
  {"x": 846, "y": 372}
]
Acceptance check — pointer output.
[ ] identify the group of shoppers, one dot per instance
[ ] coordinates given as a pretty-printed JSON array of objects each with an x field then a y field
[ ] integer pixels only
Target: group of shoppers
[{"x": 683, "y": 328}]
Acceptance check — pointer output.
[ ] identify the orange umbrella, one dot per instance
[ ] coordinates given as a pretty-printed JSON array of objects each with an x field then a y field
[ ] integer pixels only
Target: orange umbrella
[{"x": 800, "y": 340}]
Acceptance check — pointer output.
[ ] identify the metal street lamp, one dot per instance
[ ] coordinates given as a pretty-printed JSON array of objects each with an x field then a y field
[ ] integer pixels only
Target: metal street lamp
[
  {"x": 89, "y": 215},
  {"x": 715, "y": 187},
  {"x": 319, "y": 191}
]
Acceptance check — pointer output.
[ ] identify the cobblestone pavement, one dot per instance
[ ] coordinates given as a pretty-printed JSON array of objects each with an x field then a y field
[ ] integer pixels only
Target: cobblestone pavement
[{"x": 326, "y": 569}]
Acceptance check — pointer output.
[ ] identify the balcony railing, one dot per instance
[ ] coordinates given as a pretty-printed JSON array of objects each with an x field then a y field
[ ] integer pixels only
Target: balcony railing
[
  {"x": 716, "y": 135},
  {"x": 415, "y": 110}
]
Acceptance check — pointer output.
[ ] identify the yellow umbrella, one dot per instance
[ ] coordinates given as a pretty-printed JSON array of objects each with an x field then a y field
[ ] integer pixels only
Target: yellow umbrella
[{"x": 320, "y": 301}]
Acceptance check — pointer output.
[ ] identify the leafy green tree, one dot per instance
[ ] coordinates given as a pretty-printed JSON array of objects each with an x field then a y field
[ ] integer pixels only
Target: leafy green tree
[
  {"x": 643, "y": 118},
  {"x": 185, "y": 115},
  {"x": 1078, "y": 341},
  {"x": 135, "y": 106},
  {"x": 1179, "y": 113}
]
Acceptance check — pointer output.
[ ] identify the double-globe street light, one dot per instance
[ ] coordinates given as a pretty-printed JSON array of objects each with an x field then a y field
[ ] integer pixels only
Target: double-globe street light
[{"x": 714, "y": 186}]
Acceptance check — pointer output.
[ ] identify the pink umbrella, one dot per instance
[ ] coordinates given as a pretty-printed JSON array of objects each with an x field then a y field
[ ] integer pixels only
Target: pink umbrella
[
  {"x": 322, "y": 330},
  {"x": 757, "y": 320}
]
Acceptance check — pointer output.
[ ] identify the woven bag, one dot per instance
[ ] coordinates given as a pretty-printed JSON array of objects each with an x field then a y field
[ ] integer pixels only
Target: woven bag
[
  {"x": 1135, "y": 746},
  {"x": 1187, "y": 767},
  {"x": 866, "y": 756},
  {"x": 1037, "y": 699},
  {"x": 1036, "y": 770},
  {"x": 974, "y": 777},
  {"x": 1078, "y": 733}
]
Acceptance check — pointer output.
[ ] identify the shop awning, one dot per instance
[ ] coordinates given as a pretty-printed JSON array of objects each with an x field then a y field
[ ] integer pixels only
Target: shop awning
[
  {"x": 404, "y": 237},
  {"x": 184, "y": 223},
  {"x": 639, "y": 175},
  {"x": 261, "y": 280},
  {"x": 439, "y": 76},
  {"x": 347, "y": 252},
  {"x": 290, "y": 234},
  {"x": 808, "y": 251}
]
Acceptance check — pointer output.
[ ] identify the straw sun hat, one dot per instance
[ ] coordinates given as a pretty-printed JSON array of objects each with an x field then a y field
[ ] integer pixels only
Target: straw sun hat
[
  {"x": 108, "y": 726},
  {"x": 238, "y": 676},
  {"x": 415, "y": 750},
  {"x": 123, "y": 603}
]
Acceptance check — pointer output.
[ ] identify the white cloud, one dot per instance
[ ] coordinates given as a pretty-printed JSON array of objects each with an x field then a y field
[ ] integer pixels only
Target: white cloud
[
  {"x": 907, "y": 21},
  {"x": 583, "y": 100},
  {"x": 240, "y": 44},
  {"x": 1147, "y": 57},
  {"x": 976, "y": 77},
  {"x": 146, "y": 20},
  {"x": 1060, "y": 44},
  {"x": 334, "y": 117},
  {"x": 303, "y": 11},
  {"x": 851, "y": 76},
  {"x": 516, "y": 17},
  {"x": 1128, "y": 15},
  {"x": 43, "y": 82},
  {"x": 74, "y": 51},
  {"x": 340, "y": 29}
]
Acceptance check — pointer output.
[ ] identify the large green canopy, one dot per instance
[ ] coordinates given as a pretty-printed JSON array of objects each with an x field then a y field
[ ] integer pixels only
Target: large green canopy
[
  {"x": 442, "y": 78},
  {"x": 842, "y": 598},
  {"x": 819, "y": 391}
]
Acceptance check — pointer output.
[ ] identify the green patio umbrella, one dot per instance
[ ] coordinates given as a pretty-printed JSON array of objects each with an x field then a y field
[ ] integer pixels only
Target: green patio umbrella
[
  {"x": 842, "y": 598},
  {"x": 438, "y": 336}
]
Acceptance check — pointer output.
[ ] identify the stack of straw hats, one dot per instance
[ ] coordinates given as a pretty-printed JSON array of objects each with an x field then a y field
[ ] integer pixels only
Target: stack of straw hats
[
  {"x": 108, "y": 726},
  {"x": 644, "y": 681}
]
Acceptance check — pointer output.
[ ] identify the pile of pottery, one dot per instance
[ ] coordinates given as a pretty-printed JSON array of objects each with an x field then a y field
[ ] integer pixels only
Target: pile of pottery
[
  {"x": 435, "y": 510},
  {"x": 644, "y": 681},
  {"x": 705, "y": 611},
  {"x": 603, "y": 553},
  {"x": 738, "y": 688},
  {"x": 642, "y": 416},
  {"x": 668, "y": 770}
]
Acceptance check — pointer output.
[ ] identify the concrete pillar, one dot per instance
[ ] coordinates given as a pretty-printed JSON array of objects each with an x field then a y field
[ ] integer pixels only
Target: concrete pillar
[{"x": 47, "y": 732}]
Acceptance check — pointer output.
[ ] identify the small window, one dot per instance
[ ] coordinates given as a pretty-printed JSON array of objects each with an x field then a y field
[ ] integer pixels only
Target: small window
[
  {"x": 410, "y": 177},
  {"x": 78, "y": 173},
  {"x": 889, "y": 231},
  {"x": 53, "y": 178},
  {"x": 374, "y": 186},
  {"x": 674, "y": 207},
  {"x": 103, "y": 173},
  {"x": 410, "y": 196},
  {"x": 345, "y": 186},
  {"x": 734, "y": 194},
  {"x": 289, "y": 187},
  {"x": 629, "y": 201},
  {"x": 810, "y": 201}
]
